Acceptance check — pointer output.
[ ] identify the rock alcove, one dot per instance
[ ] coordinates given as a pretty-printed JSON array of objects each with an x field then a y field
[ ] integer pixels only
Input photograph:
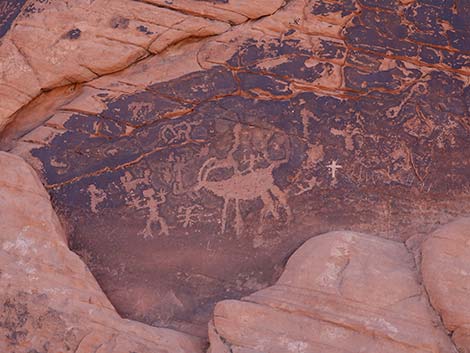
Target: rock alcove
[{"x": 208, "y": 145}]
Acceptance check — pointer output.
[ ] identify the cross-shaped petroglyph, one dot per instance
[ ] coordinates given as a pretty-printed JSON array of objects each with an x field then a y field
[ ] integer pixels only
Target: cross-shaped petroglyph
[
  {"x": 150, "y": 200},
  {"x": 250, "y": 183},
  {"x": 333, "y": 167}
]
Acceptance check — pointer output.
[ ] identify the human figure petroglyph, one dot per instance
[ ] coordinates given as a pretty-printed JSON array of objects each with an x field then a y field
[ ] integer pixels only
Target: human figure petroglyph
[
  {"x": 179, "y": 165},
  {"x": 151, "y": 201},
  {"x": 250, "y": 183},
  {"x": 173, "y": 173}
]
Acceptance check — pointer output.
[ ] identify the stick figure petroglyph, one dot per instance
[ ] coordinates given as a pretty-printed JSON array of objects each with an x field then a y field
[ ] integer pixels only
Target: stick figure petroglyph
[
  {"x": 150, "y": 200},
  {"x": 153, "y": 201},
  {"x": 250, "y": 183}
]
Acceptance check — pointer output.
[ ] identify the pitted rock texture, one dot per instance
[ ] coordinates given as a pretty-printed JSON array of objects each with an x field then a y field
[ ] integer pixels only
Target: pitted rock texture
[
  {"x": 49, "y": 301},
  {"x": 340, "y": 292},
  {"x": 446, "y": 275},
  {"x": 192, "y": 175}
]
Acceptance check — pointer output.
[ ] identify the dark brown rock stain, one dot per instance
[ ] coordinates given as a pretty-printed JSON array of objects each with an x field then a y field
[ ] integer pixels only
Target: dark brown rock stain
[
  {"x": 197, "y": 189},
  {"x": 9, "y": 10}
]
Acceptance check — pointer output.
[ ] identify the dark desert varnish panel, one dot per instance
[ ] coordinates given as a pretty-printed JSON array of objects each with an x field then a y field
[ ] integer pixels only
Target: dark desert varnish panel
[{"x": 199, "y": 188}]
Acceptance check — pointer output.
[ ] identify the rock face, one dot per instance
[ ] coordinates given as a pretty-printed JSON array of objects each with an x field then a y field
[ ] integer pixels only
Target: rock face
[
  {"x": 207, "y": 140},
  {"x": 190, "y": 176},
  {"x": 340, "y": 292},
  {"x": 49, "y": 301},
  {"x": 55, "y": 43},
  {"x": 446, "y": 274}
]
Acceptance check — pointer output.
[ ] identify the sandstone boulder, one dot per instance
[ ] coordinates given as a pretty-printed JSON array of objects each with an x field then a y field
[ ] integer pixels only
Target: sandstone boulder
[
  {"x": 49, "y": 301},
  {"x": 340, "y": 292},
  {"x": 446, "y": 275}
]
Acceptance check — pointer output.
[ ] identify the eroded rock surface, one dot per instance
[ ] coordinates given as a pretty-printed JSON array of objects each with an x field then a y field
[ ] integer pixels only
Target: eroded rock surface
[
  {"x": 191, "y": 176},
  {"x": 55, "y": 43},
  {"x": 340, "y": 292},
  {"x": 446, "y": 275},
  {"x": 49, "y": 301}
]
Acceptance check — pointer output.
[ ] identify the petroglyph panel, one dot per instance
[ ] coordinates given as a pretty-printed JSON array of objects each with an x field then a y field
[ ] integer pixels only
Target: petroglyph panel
[{"x": 197, "y": 189}]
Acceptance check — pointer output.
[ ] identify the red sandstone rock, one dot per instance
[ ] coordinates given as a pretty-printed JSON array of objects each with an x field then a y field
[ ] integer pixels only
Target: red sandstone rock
[
  {"x": 52, "y": 44},
  {"x": 340, "y": 292},
  {"x": 446, "y": 275},
  {"x": 205, "y": 164},
  {"x": 49, "y": 301}
]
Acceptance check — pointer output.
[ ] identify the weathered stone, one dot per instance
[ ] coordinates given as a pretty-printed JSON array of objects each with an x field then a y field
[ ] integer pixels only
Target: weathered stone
[
  {"x": 203, "y": 166},
  {"x": 226, "y": 10},
  {"x": 340, "y": 292},
  {"x": 56, "y": 43},
  {"x": 446, "y": 271},
  {"x": 49, "y": 301}
]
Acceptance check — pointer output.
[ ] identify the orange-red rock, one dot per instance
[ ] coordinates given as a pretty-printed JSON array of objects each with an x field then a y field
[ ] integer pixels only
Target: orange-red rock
[
  {"x": 208, "y": 139},
  {"x": 446, "y": 275},
  {"x": 52, "y": 44},
  {"x": 340, "y": 292},
  {"x": 205, "y": 165},
  {"x": 49, "y": 301}
]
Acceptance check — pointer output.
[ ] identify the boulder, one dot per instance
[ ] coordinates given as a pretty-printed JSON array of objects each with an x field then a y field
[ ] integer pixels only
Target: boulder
[
  {"x": 446, "y": 274},
  {"x": 340, "y": 292}
]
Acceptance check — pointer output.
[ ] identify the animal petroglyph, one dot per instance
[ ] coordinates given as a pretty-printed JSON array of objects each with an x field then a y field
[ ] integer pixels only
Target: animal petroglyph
[
  {"x": 140, "y": 109},
  {"x": 177, "y": 133},
  {"x": 150, "y": 200},
  {"x": 304, "y": 180},
  {"x": 250, "y": 183}
]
